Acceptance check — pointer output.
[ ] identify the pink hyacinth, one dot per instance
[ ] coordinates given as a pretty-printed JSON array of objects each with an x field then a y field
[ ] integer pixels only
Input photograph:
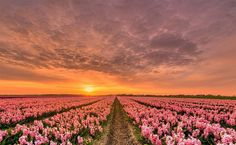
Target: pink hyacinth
[
  {"x": 227, "y": 139},
  {"x": 155, "y": 139},
  {"x": 196, "y": 133},
  {"x": 146, "y": 131},
  {"x": 80, "y": 140},
  {"x": 182, "y": 121},
  {"x": 2, "y": 135}
]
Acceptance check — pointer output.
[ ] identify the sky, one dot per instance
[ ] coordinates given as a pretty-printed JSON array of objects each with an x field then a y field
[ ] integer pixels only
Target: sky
[{"x": 118, "y": 46}]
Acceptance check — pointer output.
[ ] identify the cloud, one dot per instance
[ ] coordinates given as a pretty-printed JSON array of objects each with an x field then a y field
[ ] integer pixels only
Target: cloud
[
  {"x": 13, "y": 73},
  {"x": 109, "y": 38},
  {"x": 117, "y": 37}
]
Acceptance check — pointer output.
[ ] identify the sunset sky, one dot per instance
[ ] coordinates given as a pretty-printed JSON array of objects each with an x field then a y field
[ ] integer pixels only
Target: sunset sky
[{"x": 118, "y": 46}]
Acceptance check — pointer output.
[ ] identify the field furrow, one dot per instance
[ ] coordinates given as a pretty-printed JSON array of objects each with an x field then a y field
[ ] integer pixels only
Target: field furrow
[{"x": 120, "y": 131}]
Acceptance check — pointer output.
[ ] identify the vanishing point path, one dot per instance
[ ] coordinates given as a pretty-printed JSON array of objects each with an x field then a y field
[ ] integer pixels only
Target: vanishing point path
[{"x": 119, "y": 130}]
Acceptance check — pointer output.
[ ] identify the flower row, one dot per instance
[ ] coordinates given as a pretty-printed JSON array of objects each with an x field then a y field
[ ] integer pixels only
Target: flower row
[
  {"x": 75, "y": 126},
  {"x": 16, "y": 110},
  {"x": 167, "y": 126},
  {"x": 217, "y": 111}
]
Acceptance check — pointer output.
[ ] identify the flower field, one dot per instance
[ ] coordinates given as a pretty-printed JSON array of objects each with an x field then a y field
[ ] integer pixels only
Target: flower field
[
  {"x": 183, "y": 121},
  {"x": 15, "y": 110},
  {"x": 76, "y": 125},
  {"x": 84, "y": 120}
]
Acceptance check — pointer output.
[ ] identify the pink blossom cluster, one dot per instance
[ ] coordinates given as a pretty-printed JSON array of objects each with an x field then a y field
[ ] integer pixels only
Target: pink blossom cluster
[
  {"x": 213, "y": 110},
  {"x": 164, "y": 124},
  {"x": 16, "y": 110},
  {"x": 2, "y": 134},
  {"x": 61, "y": 128}
]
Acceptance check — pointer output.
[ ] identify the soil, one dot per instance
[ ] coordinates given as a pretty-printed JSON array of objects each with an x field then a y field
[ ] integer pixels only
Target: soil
[{"x": 118, "y": 131}]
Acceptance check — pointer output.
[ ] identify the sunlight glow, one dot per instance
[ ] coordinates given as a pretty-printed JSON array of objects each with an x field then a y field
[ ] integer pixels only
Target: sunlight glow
[{"x": 89, "y": 89}]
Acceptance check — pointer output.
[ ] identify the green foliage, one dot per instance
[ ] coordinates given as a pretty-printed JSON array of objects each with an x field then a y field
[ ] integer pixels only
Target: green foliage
[
  {"x": 225, "y": 125},
  {"x": 137, "y": 132},
  {"x": 207, "y": 141},
  {"x": 12, "y": 139},
  {"x": 139, "y": 137}
]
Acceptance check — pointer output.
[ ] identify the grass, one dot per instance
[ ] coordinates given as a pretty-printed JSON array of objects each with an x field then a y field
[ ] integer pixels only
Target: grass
[
  {"x": 99, "y": 135},
  {"x": 137, "y": 131}
]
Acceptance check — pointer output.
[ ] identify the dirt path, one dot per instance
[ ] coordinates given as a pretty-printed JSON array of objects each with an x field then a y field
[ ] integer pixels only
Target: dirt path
[{"x": 120, "y": 132}]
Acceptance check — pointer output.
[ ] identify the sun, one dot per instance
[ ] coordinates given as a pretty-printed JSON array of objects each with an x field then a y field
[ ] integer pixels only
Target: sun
[{"x": 89, "y": 89}]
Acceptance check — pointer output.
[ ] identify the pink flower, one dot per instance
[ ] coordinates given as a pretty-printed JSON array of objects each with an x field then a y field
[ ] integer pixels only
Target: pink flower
[
  {"x": 1, "y": 138},
  {"x": 2, "y": 134},
  {"x": 92, "y": 131},
  {"x": 196, "y": 133},
  {"x": 100, "y": 129},
  {"x": 170, "y": 140},
  {"x": 146, "y": 131},
  {"x": 155, "y": 139},
  {"x": 52, "y": 143},
  {"x": 80, "y": 140},
  {"x": 22, "y": 140},
  {"x": 227, "y": 139}
]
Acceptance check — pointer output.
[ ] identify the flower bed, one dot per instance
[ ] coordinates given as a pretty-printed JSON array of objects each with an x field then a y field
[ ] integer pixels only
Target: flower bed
[{"x": 162, "y": 122}]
